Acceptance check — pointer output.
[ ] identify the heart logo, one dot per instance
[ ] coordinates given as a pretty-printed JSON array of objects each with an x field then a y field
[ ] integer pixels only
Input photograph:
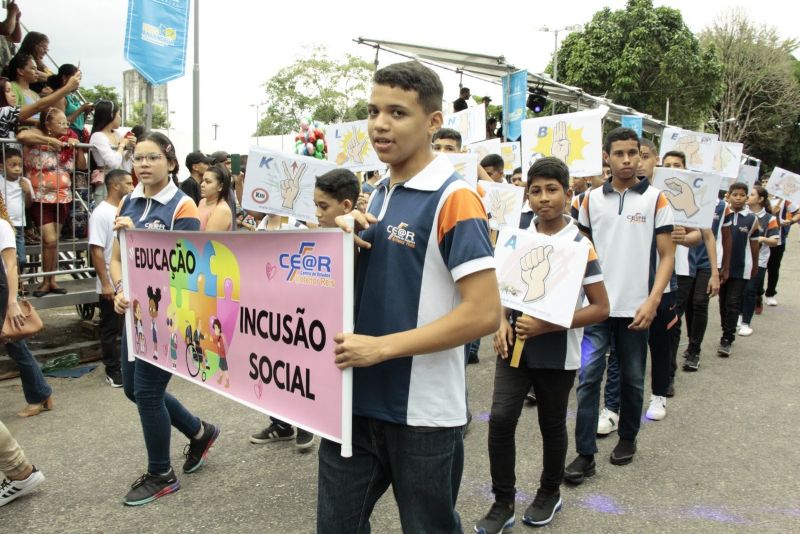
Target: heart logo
[
  {"x": 258, "y": 387},
  {"x": 272, "y": 270}
]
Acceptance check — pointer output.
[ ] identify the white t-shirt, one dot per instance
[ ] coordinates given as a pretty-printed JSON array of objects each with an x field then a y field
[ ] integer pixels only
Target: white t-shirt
[
  {"x": 101, "y": 233},
  {"x": 14, "y": 198},
  {"x": 105, "y": 155},
  {"x": 7, "y": 239}
]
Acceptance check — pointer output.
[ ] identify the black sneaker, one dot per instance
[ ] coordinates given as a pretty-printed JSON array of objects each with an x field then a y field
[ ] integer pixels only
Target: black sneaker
[
  {"x": 499, "y": 519},
  {"x": 473, "y": 358},
  {"x": 581, "y": 467},
  {"x": 197, "y": 449},
  {"x": 724, "y": 349},
  {"x": 304, "y": 439},
  {"x": 542, "y": 509},
  {"x": 623, "y": 452},
  {"x": 148, "y": 488},
  {"x": 273, "y": 432},
  {"x": 691, "y": 363},
  {"x": 114, "y": 379}
]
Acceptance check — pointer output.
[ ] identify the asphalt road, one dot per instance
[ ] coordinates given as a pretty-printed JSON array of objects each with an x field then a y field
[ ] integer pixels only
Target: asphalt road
[{"x": 725, "y": 458}]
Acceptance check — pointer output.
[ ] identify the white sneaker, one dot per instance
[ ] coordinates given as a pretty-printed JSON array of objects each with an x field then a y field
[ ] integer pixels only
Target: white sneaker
[
  {"x": 607, "y": 422},
  {"x": 11, "y": 489},
  {"x": 658, "y": 408},
  {"x": 739, "y": 322},
  {"x": 745, "y": 330},
  {"x": 771, "y": 301}
]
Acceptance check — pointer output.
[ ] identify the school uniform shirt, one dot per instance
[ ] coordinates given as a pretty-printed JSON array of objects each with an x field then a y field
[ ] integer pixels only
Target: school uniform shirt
[
  {"x": 743, "y": 226},
  {"x": 575, "y": 206},
  {"x": 786, "y": 212},
  {"x": 623, "y": 227},
  {"x": 698, "y": 255},
  {"x": 562, "y": 350},
  {"x": 526, "y": 217},
  {"x": 432, "y": 231},
  {"x": 14, "y": 198},
  {"x": 767, "y": 227},
  {"x": 170, "y": 209},
  {"x": 101, "y": 233}
]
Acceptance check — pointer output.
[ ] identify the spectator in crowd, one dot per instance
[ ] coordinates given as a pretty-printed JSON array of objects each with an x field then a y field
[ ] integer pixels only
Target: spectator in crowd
[
  {"x": 37, "y": 45},
  {"x": 50, "y": 169},
  {"x": 20, "y": 476},
  {"x": 460, "y": 103},
  {"x": 213, "y": 210},
  {"x": 198, "y": 164},
  {"x": 17, "y": 192},
  {"x": 10, "y": 33},
  {"x": 38, "y": 393},
  {"x": 108, "y": 147},
  {"x": 21, "y": 70},
  {"x": 71, "y": 104},
  {"x": 491, "y": 128}
]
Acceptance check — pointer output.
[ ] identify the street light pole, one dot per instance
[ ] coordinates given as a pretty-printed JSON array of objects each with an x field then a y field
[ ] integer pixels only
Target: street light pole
[
  {"x": 571, "y": 28},
  {"x": 258, "y": 118}
]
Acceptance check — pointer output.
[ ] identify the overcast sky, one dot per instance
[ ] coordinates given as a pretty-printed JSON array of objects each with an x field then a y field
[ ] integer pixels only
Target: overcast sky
[{"x": 244, "y": 42}]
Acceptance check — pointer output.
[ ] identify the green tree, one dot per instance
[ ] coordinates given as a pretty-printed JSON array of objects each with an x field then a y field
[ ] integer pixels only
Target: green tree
[
  {"x": 160, "y": 120},
  {"x": 318, "y": 87},
  {"x": 641, "y": 56},
  {"x": 100, "y": 92},
  {"x": 760, "y": 100}
]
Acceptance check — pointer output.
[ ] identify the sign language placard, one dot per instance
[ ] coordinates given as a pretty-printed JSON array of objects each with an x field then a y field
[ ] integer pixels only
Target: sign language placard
[
  {"x": 503, "y": 203},
  {"x": 539, "y": 275},
  {"x": 692, "y": 195}
]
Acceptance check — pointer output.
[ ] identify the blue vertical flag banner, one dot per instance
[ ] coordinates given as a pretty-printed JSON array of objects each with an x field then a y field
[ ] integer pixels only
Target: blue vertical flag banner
[
  {"x": 633, "y": 122},
  {"x": 515, "y": 91},
  {"x": 155, "y": 38}
]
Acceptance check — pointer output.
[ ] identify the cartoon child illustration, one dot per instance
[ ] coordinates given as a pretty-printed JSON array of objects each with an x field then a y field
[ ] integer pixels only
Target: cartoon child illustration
[
  {"x": 172, "y": 324},
  {"x": 138, "y": 327},
  {"x": 198, "y": 345},
  {"x": 154, "y": 297},
  {"x": 220, "y": 343}
]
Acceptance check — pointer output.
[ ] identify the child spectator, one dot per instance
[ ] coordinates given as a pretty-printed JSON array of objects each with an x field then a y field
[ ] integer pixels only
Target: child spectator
[
  {"x": 17, "y": 193},
  {"x": 769, "y": 235},
  {"x": 550, "y": 372},
  {"x": 101, "y": 243},
  {"x": 738, "y": 266},
  {"x": 425, "y": 286},
  {"x": 629, "y": 215},
  {"x": 335, "y": 194}
]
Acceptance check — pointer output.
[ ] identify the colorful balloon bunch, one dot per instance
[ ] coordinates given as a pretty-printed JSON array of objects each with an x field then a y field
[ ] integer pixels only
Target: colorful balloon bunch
[{"x": 310, "y": 141}]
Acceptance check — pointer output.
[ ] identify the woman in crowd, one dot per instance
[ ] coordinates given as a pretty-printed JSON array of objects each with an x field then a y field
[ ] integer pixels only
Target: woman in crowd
[
  {"x": 37, "y": 45},
  {"x": 108, "y": 147},
  {"x": 215, "y": 212},
  {"x": 38, "y": 393},
  {"x": 71, "y": 104},
  {"x": 22, "y": 73},
  {"x": 157, "y": 201}
]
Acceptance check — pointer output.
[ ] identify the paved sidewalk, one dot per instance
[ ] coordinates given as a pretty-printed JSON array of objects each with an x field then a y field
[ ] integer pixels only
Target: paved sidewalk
[{"x": 724, "y": 459}]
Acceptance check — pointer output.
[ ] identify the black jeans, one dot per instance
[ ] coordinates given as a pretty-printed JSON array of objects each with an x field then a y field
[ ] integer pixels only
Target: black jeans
[
  {"x": 693, "y": 304},
  {"x": 730, "y": 306},
  {"x": 111, "y": 324},
  {"x": 661, "y": 343},
  {"x": 552, "y": 387},
  {"x": 773, "y": 269}
]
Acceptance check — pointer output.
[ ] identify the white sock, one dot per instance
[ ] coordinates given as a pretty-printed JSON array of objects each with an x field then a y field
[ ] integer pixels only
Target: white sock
[{"x": 199, "y": 432}]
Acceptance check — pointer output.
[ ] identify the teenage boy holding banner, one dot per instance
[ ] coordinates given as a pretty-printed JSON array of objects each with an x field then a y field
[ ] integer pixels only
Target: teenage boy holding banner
[{"x": 425, "y": 286}]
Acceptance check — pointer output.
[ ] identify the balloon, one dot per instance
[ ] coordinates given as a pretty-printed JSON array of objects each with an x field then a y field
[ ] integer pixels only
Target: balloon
[
  {"x": 297, "y": 137},
  {"x": 300, "y": 148},
  {"x": 319, "y": 155},
  {"x": 312, "y": 138},
  {"x": 320, "y": 145},
  {"x": 310, "y": 148},
  {"x": 319, "y": 133}
]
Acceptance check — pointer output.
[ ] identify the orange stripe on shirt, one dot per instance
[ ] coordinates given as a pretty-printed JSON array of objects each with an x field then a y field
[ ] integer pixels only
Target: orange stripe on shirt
[
  {"x": 592, "y": 254},
  {"x": 187, "y": 208},
  {"x": 461, "y": 205},
  {"x": 773, "y": 223},
  {"x": 662, "y": 202}
]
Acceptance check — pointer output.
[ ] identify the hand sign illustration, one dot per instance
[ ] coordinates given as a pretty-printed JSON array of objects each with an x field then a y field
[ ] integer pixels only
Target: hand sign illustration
[
  {"x": 290, "y": 187},
  {"x": 689, "y": 145},
  {"x": 354, "y": 148},
  {"x": 560, "y": 148},
  {"x": 681, "y": 196},
  {"x": 535, "y": 267},
  {"x": 499, "y": 205}
]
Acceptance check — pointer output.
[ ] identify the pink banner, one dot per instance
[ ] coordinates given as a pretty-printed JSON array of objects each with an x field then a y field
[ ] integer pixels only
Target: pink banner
[{"x": 251, "y": 316}]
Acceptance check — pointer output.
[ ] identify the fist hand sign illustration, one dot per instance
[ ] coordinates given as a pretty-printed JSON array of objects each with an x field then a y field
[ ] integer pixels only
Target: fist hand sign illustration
[
  {"x": 681, "y": 196},
  {"x": 535, "y": 267},
  {"x": 560, "y": 148},
  {"x": 690, "y": 146}
]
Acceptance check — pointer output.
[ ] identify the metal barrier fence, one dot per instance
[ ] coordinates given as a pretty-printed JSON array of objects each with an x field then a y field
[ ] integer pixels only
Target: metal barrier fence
[{"x": 69, "y": 259}]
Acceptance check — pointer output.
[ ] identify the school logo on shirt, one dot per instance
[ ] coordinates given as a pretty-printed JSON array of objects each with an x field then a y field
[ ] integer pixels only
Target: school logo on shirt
[
  {"x": 401, "y": 235},
  {"x": 156, "y": 225},
  {"x": 744, "y": 229},
  {"x": 307, "y": 268},
  {"x": 637, "y": 218}
]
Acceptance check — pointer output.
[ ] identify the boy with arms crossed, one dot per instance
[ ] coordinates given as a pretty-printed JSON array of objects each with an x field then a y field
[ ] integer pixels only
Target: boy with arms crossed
[{"x": 421, "y": 294}]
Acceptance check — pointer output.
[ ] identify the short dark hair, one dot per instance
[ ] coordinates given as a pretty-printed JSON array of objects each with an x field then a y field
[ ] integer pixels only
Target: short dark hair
[
  {"x": 447, "y": 133},
  {"x": 10, "y": 152},
  {"x": 619, "y": 134},
  {"x": 675, "y": 154},
  {"x": 518, "y": 170},
  {"x": 341, "y": 184},
  {"x": 115, "y": 175},
  {"x": 736, "y": 186},
  {"x": 463, "y": 91},
  {"x": 493, "y": 160},
  {"x": 414, "y": 76},
  {"x": 549, "y": 168},
  {"x": 643, "y": 141}
]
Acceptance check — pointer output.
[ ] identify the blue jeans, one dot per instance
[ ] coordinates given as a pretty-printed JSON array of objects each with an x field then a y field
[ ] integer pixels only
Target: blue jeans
[
  {"x": 34, "y": 386},
  {"x": 631, "y": 351},
  {"x": 146, "y": 385},
  {"x": 21, "y": 260},
  {"x": 753, "y": 290},
  {"x": 422, "y": 464}
]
